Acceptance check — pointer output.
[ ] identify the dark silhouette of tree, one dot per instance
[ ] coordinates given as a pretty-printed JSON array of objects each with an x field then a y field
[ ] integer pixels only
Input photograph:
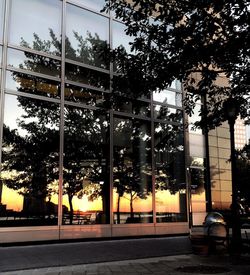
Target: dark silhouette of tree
[
  {"x": 189, "y": 41},
  {"x": 31, "y": 160},
  {"x": 33, "y": 156},
  {"x": 86, "y": 132},
  {"x": 243, "y": 170}
]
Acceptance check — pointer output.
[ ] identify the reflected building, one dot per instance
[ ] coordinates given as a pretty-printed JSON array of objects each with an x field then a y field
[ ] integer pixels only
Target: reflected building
[
  {"x": 240, "y": 134},
  {"x": 73, "y": 164}
]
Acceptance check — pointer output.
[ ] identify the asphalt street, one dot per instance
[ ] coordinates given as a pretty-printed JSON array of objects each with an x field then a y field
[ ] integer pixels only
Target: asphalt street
[{"x": 17, "y": 258}]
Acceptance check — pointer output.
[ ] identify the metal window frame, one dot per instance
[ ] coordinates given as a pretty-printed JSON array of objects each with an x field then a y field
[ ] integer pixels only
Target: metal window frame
[{"x": 62, "y": 102}]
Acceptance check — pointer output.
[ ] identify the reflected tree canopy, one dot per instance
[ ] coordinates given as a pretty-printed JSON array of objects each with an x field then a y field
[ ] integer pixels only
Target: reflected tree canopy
[
  {"x": 132, "y": 168},
  {"x": 30, "y": 155},
  {"x": 30, "y": 161}
]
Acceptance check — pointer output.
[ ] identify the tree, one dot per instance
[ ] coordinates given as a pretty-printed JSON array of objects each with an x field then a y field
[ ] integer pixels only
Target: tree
[
  {"x": 31, "y": 161},
  {"x": 30, "y": 157},
  {"x": 243, "y": 168},
  {"x": 132, "y": 163},
  {"x": 182, "y": 40}
]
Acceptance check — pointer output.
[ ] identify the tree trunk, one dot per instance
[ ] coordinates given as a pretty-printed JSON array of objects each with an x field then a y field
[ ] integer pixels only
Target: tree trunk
[
  {"x": 118, "y": 209},
  {"x": 71, "y": 210},
  {"x": 131, "y": 206}
]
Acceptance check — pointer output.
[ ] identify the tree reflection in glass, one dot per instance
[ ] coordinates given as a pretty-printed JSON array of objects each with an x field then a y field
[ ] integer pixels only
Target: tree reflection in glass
[
  {"x": 132, "y": 171},
  {"x": 86, "y": 167},
  {"x": 29, "y": 175},
  {"x": 34, "y": 22},
  {"x": 170, "y": 186},
  {"x": 87, "y": 35}
]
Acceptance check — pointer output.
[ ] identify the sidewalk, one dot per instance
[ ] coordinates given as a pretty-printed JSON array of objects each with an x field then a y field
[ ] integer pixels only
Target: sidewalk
[{"x": 179, "y": 264}]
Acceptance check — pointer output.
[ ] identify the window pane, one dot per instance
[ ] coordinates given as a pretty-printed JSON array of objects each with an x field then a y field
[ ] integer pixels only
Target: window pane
[
  {"x": 31, "y": 84},
  {"x": 87, "y": 76},
  {"x": 196, "y": 145},
  {"x": 33, "y": 62},
  {"x": 1, "y": 51},
  {"x": 120, "y": 39},
  {"x": 135, "y": 107},
  {"x": 1, "y": 19},
  {"x": 93, "y": 4},
  {"x": 165, "y": 96},
  {"x": 30, "y": 155},
  {"x": 198, "y": 198},
  {"x": 170, "y": 185},
  {"x": 168, "y": 97},
  {"x": 86, "y": 96},
  {"x": 86, "y": 167},
  {"x": 87, "y": 35},
  {"x": 132, "y": 193},
  {"x": 195, "y": 118},
  {"x": 166, "y": 113},
  {"x": 36, "y": 24}
]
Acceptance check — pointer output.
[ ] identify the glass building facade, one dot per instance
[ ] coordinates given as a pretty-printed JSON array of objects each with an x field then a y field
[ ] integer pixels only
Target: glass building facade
[{"x": 70, "y": 163}]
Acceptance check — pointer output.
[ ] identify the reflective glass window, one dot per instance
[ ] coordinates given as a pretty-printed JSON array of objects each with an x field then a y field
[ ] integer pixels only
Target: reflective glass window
[
  {"x": 132, "y": 193},
  {"x": 36, "y": 24},
  {"x": 1, "y": 51},
  {"x": 120, "y": 39},
  {"x": 93, "y": 4},
  {"x": 87, "y": 35},
  {"x": 86, "y": 192},
  {"x": 196, "y": 145},
  {"x": 87, "y": 76},
  {"x": 168, "y": 97},
  {"x": 86, "y": 96},
  {"x": 33, "y": 62},
  {"x": 1, "y": 19},
  {"x": 165, "y": 96},
  {"x": 170, "y": 184},
  {"x": 167, "y": 113},
  {"x": 198, "y": 196},
  {"x": 176, "y": 84},
  {"x": 135, "y": 107},
  {"x": 25, "y": 83},
  {"x": 194, "y": 118},
  {"x": 120, "y": 88},
  {"x": 30, "y": 162}
]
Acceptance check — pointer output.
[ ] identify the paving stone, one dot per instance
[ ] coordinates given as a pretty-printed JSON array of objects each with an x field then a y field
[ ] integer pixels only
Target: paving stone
[
  {"x": 102, "y": 269},
  {"x": 116, "y": 268},
  {"x": 65, "y": 273},
  {"x": 79, "y": 272}
]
